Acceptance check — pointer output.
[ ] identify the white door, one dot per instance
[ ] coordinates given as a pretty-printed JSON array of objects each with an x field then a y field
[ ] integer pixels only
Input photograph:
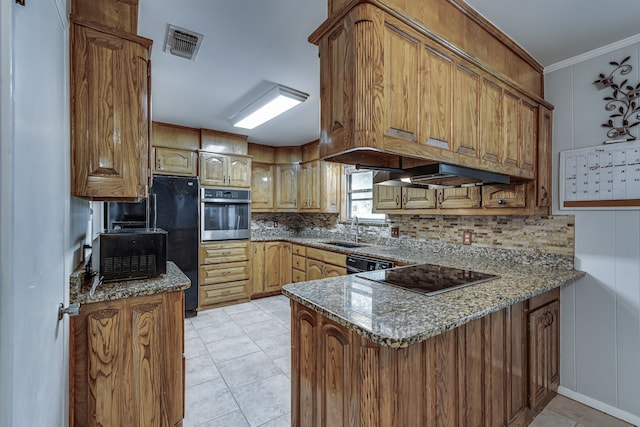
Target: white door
[{"x": 37, "y": 215}]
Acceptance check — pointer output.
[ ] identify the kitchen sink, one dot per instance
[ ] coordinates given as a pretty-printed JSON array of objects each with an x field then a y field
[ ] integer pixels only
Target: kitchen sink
[{"x": 345, "y": 244}]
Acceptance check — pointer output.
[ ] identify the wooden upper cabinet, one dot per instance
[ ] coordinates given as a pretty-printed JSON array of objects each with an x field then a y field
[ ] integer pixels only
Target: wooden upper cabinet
[
  {"x": 418, "y": 198},
  {"x": 174, "y": 161},
  {"x": 121, "y": 15},
  {"x": 225, "y": 170},
  {"x": 401, "y": 76},
  {"x": 543, "y": 177},
  {"x": 391, "y": 89},
  {"x": 238, "y": 171},
  {"x": 511, "y": 140},
  {"x": 173, "y": 136},
  {"x": 435, "y": 111},
  {"x": 466, "y": 96},
  {"x": 529, "y": 136},
  {"x": 386, "y": 197},
  {"x": 110, "y": 76},
  {"x": 286, "y": 177},
  {"x": 504, "y": 196},
  {"x": 491, "y": 140},
  {"x": 262, "y": 187},
  {"x": 309, "y": 189},
  {"x": 459, "y": 198}
]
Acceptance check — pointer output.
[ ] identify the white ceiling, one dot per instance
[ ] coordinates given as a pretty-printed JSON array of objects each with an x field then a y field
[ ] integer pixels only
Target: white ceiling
[{"x": 251, "y": 44}]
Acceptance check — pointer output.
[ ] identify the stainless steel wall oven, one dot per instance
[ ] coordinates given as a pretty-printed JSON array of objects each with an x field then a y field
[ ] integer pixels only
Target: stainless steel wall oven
[{"x": 225, "y": 214}]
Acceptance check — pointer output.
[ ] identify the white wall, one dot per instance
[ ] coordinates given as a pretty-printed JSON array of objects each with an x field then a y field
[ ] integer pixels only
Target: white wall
[
  {"x": 600, "y": 314},
  {"x": 41, "y": 226}
]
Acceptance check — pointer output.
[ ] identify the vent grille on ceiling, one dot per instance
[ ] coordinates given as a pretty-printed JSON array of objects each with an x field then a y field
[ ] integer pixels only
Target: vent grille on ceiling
[{"x": 183, "y": 43}]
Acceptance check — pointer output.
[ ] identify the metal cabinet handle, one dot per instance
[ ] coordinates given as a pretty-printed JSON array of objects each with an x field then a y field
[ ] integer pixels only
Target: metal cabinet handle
[
  {"x": 404, "y": 199},
  {"x": 397, "y": 200},
  {"x": 440, "y": 198},
  {"x": 501, "y": 202},
  {"x": 544, "y": 192}
]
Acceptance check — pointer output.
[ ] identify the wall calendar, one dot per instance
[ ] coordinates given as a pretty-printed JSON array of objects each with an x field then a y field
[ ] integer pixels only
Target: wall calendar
[{"x": 600, "y": 177}]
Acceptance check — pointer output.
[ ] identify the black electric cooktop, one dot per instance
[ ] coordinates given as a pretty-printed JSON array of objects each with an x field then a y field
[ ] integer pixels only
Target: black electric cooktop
[{"x": 427, "y": 279}]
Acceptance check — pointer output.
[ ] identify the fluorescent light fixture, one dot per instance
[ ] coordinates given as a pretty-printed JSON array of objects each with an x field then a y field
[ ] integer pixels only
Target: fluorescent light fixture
[{"x": 273, "y": 103}]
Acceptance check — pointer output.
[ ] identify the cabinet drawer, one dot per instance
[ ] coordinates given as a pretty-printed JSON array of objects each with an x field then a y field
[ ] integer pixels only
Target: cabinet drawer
[
  {"x": 327, "y": 256},
  {"x": 225, "y": 272},
  {"x": 299, "y": 250},
  {"x": 299, "y": 262},
  {"x": 298, "y": 276},
  {"x": 214, "y": 294},
  {"x": 545, "y": 298},
  {"x": 228, "y": 251}
]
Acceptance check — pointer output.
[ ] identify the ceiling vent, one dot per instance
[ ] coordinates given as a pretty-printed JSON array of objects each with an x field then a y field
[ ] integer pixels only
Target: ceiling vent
[{"x": 183, "y": 43}]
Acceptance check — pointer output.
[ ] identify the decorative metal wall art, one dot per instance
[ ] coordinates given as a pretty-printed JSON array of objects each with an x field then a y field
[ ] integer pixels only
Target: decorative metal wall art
[{"x": 624, "y": 103}]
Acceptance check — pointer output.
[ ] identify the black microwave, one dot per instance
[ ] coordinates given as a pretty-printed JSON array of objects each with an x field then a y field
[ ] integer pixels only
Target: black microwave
[{"x": 128, "y": 254}]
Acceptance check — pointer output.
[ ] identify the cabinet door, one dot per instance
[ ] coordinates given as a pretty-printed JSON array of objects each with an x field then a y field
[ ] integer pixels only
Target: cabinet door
[
  {"x": 212, "y": 169},
  {"x": 238, "y": 171},
  {"x": 173, "y": 161},
  {"x": 315, "y": 269},
  {"x": 109, "y": 116},
  {"x": 257, "y": 267},
  {"x": 386, "y": 197},
  {"x": 272, "y": 266},
  {"x": 543, "y": 354},
  {"x": 511, "y": 144},
  {"x": 261, "y": 187},
  {"x": 543, "y": 178},
  {"x": 466, "y": 96},
  {"x": 418, "y": 198},
  {"x": 128, "y": 363},
  {"x": 331, "y": 270},
  {"x": 331, "y": 186},
  {"x": 459, "y": 198},
  {"x": 285, "y": 263},
  {"x": 401, "y": 74},
  {"x": 309, "y": 190},
  {"x": 286, "y": 187},
  {"x": 436, "y": 83},
  {"x": 516, "y": 378},
  {"x": 490, "y": 122},
  {"x": 529, "y": 136}
]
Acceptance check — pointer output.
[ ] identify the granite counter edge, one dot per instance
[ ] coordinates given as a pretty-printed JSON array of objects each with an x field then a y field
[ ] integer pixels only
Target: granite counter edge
[
  {"x": 402, "y": 342},
  {"x": 173, "y": 280}
]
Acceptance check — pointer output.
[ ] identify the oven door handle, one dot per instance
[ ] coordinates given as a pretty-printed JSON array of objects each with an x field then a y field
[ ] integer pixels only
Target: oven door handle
[{"x": 225, "y": 201}]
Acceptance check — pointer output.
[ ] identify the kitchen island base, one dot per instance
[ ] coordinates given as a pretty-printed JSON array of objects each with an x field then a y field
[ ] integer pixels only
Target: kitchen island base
[{"x": 474, "y": 375}]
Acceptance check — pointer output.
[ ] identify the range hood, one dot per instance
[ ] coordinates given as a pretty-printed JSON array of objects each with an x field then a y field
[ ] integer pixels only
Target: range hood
[{"x": 437, "y": 175}]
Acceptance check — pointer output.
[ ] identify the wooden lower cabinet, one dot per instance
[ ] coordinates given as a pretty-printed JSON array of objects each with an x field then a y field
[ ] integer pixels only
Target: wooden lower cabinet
[
  {"x": 544, "y": 351},
  {"x": 224, "y": 273},
  {"x": 127, "y": 366},
  {"x": 474, "y": 375},
  {"x": 322, "y": 264},
  {"x": 270, "y": 267}
]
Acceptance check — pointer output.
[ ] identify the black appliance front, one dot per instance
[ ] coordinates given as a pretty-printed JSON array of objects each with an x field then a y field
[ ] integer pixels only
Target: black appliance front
[{"x": 174, "y": 203}]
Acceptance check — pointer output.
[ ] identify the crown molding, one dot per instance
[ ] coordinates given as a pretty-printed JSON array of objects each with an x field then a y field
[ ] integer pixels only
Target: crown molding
[{"x": 592, "y": 54}]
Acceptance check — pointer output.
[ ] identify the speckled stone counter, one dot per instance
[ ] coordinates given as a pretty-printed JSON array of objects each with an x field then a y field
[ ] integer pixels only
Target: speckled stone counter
[
  {"x": 398, "y": 318},
  {"x": 173, "y": 280}
]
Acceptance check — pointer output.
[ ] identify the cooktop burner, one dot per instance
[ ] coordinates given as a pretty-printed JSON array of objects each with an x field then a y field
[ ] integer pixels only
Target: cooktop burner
[{"x": 427, "y": 279}]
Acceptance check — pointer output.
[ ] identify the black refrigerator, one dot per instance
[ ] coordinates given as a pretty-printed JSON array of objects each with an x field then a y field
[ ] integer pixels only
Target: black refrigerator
[{"x": 173, "y": 206}]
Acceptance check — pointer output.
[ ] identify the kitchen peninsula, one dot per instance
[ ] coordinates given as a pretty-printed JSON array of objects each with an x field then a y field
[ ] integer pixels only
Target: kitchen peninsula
[{"x": 369, "y": 354}]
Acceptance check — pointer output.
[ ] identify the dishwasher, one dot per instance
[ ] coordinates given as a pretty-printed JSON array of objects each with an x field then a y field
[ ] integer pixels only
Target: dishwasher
[{"x": 358, "y": 263}]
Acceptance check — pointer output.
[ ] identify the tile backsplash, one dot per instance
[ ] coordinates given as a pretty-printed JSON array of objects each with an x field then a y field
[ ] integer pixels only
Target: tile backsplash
[{"x": 539, "y": 234}]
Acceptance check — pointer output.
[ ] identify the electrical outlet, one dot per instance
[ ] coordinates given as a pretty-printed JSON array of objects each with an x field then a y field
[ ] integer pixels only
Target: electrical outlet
[
  {"x": 466, "y": 237},
  {"x": 275, "y": 224}
]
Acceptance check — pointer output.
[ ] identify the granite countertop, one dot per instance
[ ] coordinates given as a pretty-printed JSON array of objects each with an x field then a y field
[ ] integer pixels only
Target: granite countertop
[
  {"x": 79, "y": 289},
  {"x": 397, "y": 318}
]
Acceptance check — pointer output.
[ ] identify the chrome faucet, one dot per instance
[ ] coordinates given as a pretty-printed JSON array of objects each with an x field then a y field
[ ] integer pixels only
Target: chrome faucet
[{"x": 354, "y": 225}]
